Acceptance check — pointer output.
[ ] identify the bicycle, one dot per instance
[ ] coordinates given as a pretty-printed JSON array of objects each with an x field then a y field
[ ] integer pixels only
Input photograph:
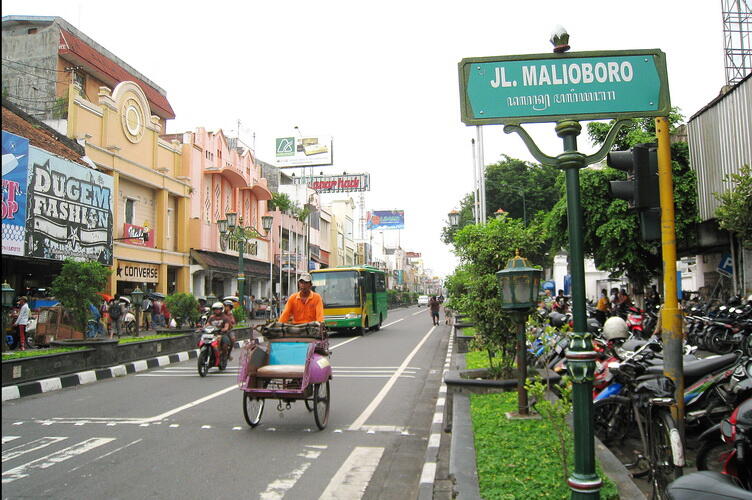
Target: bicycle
[{"x": 647, "y": 404}]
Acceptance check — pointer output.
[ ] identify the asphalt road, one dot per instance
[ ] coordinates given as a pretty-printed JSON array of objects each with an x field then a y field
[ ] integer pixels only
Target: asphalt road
[{"x": 167, "y": 433}]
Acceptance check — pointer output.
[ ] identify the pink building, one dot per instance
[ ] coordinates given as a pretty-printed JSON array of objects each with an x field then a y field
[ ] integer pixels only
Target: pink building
[{"x": 225, "y": 178}]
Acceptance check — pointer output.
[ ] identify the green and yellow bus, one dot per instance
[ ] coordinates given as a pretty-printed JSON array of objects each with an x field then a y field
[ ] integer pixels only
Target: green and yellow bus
[{"x": 354, "y": 297}]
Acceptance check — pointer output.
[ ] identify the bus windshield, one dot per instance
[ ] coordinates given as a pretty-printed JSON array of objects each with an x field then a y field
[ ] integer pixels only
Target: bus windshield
[{"x": 337, "y": 288}]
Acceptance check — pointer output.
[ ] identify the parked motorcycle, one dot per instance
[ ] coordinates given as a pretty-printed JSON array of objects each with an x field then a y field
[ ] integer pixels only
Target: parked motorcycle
[{"x": 211, "y": 353}]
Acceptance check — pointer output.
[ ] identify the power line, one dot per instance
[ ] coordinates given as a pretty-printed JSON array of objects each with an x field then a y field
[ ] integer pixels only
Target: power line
[
  {"x": 35, "y": 75},
  {"x": 40, "y": 67}
]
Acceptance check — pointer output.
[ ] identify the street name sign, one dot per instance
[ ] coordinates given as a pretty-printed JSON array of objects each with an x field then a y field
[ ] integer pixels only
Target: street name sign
[{"x": 574, "y": 85}]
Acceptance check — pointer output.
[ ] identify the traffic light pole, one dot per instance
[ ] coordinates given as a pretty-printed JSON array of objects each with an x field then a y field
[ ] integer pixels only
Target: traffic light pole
[{"x": 671, "y": 317}]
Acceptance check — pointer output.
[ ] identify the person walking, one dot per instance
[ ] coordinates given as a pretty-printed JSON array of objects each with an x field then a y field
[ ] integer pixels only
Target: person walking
[
  {"x": 22, "y": 320},
  {"x": 117, "y": 311},
  {"x": 146, "y": 306},
  {"x": 434, "y": 305},
  {"x": 602, "y": 307}
]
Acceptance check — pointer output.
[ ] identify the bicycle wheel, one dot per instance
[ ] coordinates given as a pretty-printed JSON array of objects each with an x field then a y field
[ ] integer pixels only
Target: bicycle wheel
[
  {"x": 252, "y": 409},
  {"x": 321, "y": 398},
  {"x": 665, "y": 447},
  {"x": 611, "y": 419}
]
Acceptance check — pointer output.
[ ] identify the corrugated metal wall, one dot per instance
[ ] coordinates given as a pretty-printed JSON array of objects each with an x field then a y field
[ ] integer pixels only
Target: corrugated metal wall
[{"x": 720, "y": 142}]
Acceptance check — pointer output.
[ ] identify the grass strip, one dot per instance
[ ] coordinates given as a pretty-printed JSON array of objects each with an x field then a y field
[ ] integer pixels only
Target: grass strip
[
  {"x": 30, "y": 353},
  {"x": 517, "y": 459},
  {"x": 127, "y": 340}
]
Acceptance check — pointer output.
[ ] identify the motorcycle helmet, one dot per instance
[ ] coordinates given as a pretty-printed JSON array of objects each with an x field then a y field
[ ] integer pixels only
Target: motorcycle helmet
[
  {"x": 228, "y": 302},
  {"x": 217, "y": 305},
  {"x": 615, "y": 328}
]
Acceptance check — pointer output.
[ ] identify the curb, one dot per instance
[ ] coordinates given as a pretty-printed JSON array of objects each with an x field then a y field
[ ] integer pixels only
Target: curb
[
  {"x": 11, "y": 392},
  {"x": 430, "y": 464}
]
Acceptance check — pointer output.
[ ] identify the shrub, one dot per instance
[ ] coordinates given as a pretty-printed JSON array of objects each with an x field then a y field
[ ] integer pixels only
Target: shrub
[
  {"x": 77, "y": 285},
  {"x": 183, "y": 307}
]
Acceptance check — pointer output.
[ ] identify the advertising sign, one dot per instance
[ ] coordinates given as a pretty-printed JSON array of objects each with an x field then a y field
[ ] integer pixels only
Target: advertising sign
[
  {"x": 573, "y": 85},
  {"x": 140, "y": 272},
  {"x": 136, "y": 235},
  {"x": 303, "y": 151},
  {"x": 69, "y": 210},
  {"x": 336, "y": 183},
  {"x": 385, "y": 219},
  {"x": 15, "y": 175}
]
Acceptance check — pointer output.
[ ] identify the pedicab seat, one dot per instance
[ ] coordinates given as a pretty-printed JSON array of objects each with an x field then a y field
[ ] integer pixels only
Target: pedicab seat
[{"x": 286, "y": 360}]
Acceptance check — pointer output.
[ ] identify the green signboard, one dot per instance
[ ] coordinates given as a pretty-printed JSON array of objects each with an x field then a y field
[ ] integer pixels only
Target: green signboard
[{"x": 575, "y": 85}]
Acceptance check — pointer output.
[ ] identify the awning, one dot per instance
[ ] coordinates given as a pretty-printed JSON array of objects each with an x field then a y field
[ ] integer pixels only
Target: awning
[{"x": 229, "y": 264}]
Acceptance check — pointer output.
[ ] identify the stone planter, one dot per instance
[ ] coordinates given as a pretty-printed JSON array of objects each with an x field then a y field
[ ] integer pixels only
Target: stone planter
[
  {"x": 100, "y": 353},
  {"x": 462, "y": 343}
]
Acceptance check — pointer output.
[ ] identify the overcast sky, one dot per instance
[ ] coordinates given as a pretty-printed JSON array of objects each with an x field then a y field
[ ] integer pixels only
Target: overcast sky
[{"x": 380, "y": 77}]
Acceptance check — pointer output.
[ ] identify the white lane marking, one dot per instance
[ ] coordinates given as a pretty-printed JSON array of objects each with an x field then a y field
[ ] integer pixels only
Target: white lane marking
[
  {"x": 162, "y": 416},
  {"x": 384, "y": 390},
  {"x": 352, "y": 478},
  {"x": 429, "y": 473},
  {"x": 385, "y": 428},
  {"x": 24, "y": 470},
  {"x": 108, "y": 454},
  {"x": 25, "y": 448},
  {"x": 377, "y": 367},
  {"x": 279, "y": 487},
  {"x": 393, "y": 322},
  {"x": 419, "y": 311},
  {"x": 7, "y": 439},
  {"x": 343, "y": 343},
  {"x": 434, "y": 440}
]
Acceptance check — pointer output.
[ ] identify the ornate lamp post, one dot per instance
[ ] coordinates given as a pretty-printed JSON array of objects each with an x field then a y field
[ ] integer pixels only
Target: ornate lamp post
[
  {"x": 230, "y": 230},
  {"x": 267, "y": 221},
  {"x": 7, "y": 299},
  {"x": 519, "y": 284},
  {"x": 137, "y": 295},
  {"x": 454, "y": 218}
]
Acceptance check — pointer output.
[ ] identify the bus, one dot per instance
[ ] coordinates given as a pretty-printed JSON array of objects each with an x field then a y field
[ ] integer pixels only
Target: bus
[{"x": 354, "y": 297}]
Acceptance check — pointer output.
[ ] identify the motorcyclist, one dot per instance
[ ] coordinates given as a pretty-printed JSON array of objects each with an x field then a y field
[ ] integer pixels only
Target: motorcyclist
[{"x": 218, "y": 320}]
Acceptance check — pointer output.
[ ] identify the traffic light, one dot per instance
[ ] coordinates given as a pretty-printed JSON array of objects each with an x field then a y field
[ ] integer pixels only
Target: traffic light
[{"x": 641, "y": 187}]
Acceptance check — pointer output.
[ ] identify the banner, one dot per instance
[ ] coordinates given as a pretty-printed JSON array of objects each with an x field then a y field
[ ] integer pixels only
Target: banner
[
  {"x": 15, "y": 183},
  {"x": 385, "y": 219},
  {"x": 336, "y": 183},
  {"x": 69, "y": 210},
  {"x": 303, "y": 151}
]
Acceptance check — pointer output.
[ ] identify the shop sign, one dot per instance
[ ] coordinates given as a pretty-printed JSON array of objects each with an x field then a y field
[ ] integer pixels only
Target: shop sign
[
  {"x": 136, "y": 235},
  {"x": 139, "y": 272},
  {"x": 336, "y": 183},
  {"x": 15, "y": 182},
  {"x": 69, "y": 210}
]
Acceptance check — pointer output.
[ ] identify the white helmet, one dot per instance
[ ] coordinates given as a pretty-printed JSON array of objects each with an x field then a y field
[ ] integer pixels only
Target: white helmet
[
  {"x": 615, "y": 328},
  {"x": 217, "y": 305}
]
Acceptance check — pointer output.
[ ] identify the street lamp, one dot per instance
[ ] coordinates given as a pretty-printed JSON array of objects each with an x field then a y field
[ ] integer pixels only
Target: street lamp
[
  {"x": 267, "y": 222},
  {"x": 7, "y": 299},
  {"x": 137, "y": 295},
  {"x": 232, "y": 229},
  {"x": 519, "y": 284},
  {"x": 454, "y": 218}
]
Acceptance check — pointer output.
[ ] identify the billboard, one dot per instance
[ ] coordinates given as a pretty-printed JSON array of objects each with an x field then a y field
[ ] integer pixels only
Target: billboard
[
  {"x": 303, "y": 151},
  {"x": 15, "y": 181},
  {"x": 69, "y": 210},
  {"x": 336, "y": 183},
  {"x": 385, "y": 219}
]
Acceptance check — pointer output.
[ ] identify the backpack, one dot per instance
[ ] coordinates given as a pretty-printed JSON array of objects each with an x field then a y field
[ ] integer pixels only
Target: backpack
[{"x": 115, "y": 310}]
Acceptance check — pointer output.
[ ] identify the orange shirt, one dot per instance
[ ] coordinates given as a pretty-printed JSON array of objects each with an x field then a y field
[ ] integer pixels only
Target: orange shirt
[{"x": 303, "y": 312}]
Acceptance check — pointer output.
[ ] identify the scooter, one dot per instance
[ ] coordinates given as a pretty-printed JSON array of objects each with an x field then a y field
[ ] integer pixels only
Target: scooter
[{"x": 211, "y": 352}]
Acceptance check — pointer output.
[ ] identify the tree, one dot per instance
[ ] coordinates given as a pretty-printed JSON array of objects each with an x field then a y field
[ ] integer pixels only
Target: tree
[
  {"x": 77, "y": 285},
  {"x": 519, "y": 188},
  {"x": 734, "y": 213},
  {"x": 183, "y": 307},
  {"x": 612, "y": 231},
  {"x": 473, "y": 288}
]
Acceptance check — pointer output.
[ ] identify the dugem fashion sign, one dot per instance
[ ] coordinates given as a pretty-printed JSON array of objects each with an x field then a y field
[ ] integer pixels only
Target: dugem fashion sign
[
  {"x": 575, "y": 85},
  {"x": 69, "y": 212}
]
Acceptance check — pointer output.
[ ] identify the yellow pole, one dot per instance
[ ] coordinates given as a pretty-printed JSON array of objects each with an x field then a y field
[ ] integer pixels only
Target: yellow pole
[{"x": 671, "y": 318}]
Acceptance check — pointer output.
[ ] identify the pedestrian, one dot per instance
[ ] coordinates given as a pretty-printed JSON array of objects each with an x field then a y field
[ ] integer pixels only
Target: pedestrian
[
  {"x": 157, "y": 316},
  {"x": 104, "y": 311},
  {"x": 230, "y": 319},
  {"x": 22, "y": 320},
  {"x": 117, "y": 312},
  {"x": 146, "y": 306},
  {"x": 434, "y": 305},
  {"x": 614, "y": 297}
]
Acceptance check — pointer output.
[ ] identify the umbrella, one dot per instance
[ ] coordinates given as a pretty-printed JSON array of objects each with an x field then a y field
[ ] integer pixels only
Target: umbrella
[
  {"x": 157, "y": 295},
  {"x": 105, "y": 296}
]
